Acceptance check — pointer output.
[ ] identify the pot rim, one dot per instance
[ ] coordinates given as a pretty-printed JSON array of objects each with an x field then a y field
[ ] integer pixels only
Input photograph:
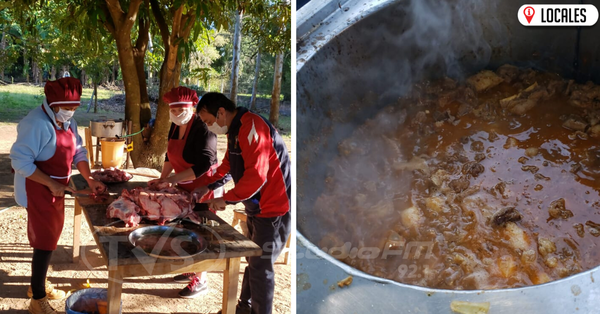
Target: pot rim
[{"x": 358, "y": 273}]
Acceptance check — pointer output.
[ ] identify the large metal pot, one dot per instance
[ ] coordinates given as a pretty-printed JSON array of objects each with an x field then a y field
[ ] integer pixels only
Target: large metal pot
[
  {"x": 106, "y": 127},
  {"x": 350, "y": 48}
]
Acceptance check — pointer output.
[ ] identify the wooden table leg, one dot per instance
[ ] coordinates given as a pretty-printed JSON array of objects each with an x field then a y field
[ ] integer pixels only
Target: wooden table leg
[
  {"x": 76, "y": 231},
  {"x": 230, "y": 284},
  {"x": 287, "y": 250},
  {"x": 89, "y": 145},
  {"x": 98, "y": 151},
  {"x": 115, "y": 287}
]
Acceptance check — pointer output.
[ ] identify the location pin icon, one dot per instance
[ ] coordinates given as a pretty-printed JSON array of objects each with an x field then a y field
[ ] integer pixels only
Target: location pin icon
[{"x": 529, "y": 12}]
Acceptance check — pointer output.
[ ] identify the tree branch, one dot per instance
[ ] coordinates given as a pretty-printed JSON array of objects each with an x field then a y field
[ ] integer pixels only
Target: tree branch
[
  {"x": 134, "y": 7},
  {"x": 160, "y": 20},
  {"x": 176, "y": 27},
  {"x": 116, "y": 13},
  {"x": 189, "y": 23},
  {"x": 108, "y": 21},
  {"x": 144, "y": 25}
]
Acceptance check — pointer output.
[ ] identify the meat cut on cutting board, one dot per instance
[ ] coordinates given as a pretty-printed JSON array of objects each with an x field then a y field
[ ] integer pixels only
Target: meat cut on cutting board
[{"x": 154, "y": 203}]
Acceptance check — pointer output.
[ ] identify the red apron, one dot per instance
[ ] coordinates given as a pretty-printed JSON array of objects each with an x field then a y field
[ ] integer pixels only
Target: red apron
[
  {"x": 175, "y": 153},
  {"x": 46, "y": 213}
]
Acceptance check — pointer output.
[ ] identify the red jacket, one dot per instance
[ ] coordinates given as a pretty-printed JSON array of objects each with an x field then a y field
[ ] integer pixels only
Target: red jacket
[{"x": 258, "y": 161}]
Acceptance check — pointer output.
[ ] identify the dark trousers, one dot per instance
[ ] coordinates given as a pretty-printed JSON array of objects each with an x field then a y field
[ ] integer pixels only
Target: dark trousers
[
  {"x": 39, "y": 269},
  {"x": 270, "y": 234}
]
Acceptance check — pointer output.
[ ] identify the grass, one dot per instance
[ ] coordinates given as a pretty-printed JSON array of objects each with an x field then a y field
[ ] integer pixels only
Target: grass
[
  {"x": 16, "y": 100},
  {"x": 266, "y": 96},
  {"x": 285, "y": 124}
]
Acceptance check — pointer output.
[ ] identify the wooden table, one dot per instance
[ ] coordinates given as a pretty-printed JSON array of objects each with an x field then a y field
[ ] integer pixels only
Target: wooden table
[{"x": 225, "y": 247}]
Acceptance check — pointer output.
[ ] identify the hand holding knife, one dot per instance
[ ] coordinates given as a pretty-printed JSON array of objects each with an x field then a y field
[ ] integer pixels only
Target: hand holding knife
[{"x": 216, "y": 203}]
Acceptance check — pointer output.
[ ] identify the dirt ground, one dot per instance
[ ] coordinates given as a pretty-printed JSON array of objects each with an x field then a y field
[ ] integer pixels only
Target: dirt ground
[{"x": 156, "y": 294}]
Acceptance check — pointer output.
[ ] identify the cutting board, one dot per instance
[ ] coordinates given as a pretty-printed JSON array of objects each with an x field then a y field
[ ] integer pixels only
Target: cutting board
[{"x": 145, "y": 172}]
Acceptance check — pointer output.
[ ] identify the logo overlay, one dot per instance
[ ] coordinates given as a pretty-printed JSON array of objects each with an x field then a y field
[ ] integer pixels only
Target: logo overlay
[
  {"x": 557, "y": 14},
  {"x": 529, "y": 12}
]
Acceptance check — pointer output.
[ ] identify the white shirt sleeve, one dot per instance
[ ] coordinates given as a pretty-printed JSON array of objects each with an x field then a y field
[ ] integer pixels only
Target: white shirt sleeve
[{"x": 31, "y": 139}]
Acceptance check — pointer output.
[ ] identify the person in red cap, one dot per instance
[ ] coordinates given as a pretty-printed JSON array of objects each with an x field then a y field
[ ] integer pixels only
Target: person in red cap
[
  {"x": 191, "y": 152},
  {"x": 47, "y": 145}
]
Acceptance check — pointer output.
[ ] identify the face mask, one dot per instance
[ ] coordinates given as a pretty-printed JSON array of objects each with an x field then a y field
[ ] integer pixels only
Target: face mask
[
  {"x": 216, "y": 128},
  {"x": 182, "y": 118},
  {"x": 63, "y": 115}
]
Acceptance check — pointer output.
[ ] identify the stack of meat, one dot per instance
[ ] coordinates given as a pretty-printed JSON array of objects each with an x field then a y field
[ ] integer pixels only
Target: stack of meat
[
  {"x": 155, "y": 203},
  {"x": 111, "y": 175}
]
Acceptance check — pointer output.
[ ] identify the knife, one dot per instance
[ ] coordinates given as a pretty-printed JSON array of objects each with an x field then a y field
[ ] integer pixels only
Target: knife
[
  {"x": 76, "y": 194},
  {"x": 89, "y": 194}
]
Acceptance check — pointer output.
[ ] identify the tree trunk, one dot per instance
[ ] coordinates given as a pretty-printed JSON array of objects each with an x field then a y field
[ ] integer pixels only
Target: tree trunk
[
  {"x": 139, "y": 55},
  {"x": 120, "y": 26},
  {"x": 3, "y": 50},
  {"x": 235, "y": 62},
  {"x": 53, "y": 73},
  {"x": 274, "y": 115},
  {"x": 38, "y": 74},
  {"x": 255, "y": 84},
  {"x": 34, "y": 72},
  {"x": 130, "y": 79},
  {"x": 169, "y": 74},
  {"x": 25, "y": 63},
  {"x": 83, "y": 78},
  {"x": 95, "y": 97},
  {"x": 114, "y": 69}
]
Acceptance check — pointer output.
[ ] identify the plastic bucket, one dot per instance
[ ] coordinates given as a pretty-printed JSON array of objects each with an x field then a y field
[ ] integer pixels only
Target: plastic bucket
[
  {"x": 112, "y": 152},
  {"x": 85, "y": 301}
]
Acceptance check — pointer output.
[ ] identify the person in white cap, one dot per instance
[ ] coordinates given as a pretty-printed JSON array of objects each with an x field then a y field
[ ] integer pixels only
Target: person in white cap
[
  {"x": 191, "y": 152},
  {"x": 46, "y": 147}
]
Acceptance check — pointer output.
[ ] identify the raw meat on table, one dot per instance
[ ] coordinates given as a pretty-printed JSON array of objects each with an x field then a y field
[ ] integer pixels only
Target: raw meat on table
[
  {"x": 125, "y": 210},
  {"x": 152, "y": 204},
  {"x": 111, "y": 175}
]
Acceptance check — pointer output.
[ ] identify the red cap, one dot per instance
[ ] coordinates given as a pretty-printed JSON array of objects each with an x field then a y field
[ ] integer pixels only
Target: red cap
[
  {"x": 65, "y": 91},
  {"x": 181, "y": 97}
]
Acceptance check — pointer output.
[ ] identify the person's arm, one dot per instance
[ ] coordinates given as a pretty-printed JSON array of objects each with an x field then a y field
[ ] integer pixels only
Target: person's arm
[
  {"x": 211, "y": 176},
  {"x": 166, "y": 170},
  {"x": 222, "y": 169},
  {"x": 185, "y": 175},
  {"x": 32, "y": 138},
  {"x": 82, "y": 164},
  {"x": 96, "y": 187},
  {"x": 255, "y": 143},
  {"x": 57, "y": 189},
  {"x": 204, "y": 149},
  {"x": 199, "y": 150},
  {"x": 220, "y": 173}
]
